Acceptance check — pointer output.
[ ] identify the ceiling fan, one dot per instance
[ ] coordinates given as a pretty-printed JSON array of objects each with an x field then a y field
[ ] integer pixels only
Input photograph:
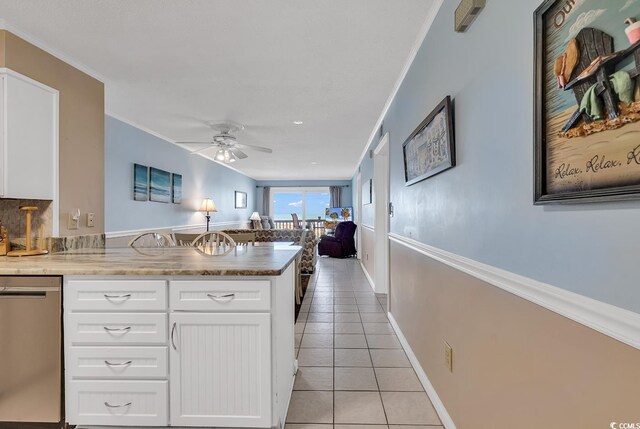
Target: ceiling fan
[{"x": 229, "y": 149}]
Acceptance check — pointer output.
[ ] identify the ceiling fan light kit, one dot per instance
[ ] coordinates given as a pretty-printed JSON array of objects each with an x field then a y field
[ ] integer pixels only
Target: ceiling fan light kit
[{"x": 228, "y": 148}]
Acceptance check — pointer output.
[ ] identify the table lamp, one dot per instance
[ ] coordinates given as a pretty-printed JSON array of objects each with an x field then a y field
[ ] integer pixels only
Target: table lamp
[
  {"x": 208, "y": 206},
  {"x": 255, "y": 217}
]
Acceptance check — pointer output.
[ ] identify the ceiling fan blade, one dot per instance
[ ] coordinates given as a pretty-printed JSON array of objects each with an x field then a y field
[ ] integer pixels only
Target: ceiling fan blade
[
  {"x": 256, "y": 148},
  {"x": 209, "y": 142},
  {"x": 240, "y": 154}
]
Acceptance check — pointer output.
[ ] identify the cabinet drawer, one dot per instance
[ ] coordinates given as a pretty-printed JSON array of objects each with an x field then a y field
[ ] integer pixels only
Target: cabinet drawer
[
  {"x": 117, "y": 403},
  {"x": 117, "y": 362},
  {"x": 220, "y": 295},
  {"x": 116, "y": 295},
  {"x": 116, "y": 328}
]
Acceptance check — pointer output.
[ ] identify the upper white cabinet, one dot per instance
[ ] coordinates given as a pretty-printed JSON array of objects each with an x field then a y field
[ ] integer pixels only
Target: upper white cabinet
[{"x": 28, "y": 138}]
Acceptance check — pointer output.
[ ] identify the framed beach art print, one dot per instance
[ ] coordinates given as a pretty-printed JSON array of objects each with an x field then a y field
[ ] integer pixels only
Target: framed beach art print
[
  {"x": 159, "y": 185},
  {"x": 176, "y": 188},
  {"x": 430, "y": 149},
  {"x": 140, "y": 182},
  {"x": 587, "y": 101}
]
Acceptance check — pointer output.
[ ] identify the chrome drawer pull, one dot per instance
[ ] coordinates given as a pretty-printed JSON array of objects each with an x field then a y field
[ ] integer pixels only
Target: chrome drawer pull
[
  {"x": 127, "y": 363},
  {"x": 173, "y": 331},
  {"x": 106, "y": 404},
  {"x": 124, "y": 297},
  {"x": 228, "y": 296},
  {"x": 126, "y": 329}
]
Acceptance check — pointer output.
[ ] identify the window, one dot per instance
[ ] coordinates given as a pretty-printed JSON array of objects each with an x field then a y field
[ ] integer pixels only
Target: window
[{"x": 307, "y": 203}]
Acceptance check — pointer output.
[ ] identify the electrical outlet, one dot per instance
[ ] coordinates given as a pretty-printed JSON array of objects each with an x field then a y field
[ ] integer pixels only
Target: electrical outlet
[
  {"x": 91, "y": 220},
  {"x": 448, "y": 356}
]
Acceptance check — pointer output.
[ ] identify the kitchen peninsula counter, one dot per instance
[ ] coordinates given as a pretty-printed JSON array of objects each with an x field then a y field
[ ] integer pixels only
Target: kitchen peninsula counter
[{"x": 271, "y": 260}]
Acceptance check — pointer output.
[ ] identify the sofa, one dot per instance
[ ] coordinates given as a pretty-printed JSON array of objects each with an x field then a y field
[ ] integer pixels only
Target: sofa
[{"x": 308, "y": 262}]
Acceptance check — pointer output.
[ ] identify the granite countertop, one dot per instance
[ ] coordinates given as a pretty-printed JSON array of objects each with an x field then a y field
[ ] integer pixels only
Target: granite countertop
[{"x": 170, "y": 261}]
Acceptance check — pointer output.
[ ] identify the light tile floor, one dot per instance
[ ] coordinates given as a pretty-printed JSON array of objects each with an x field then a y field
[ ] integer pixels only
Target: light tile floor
[{"x": 353, "y": 372}]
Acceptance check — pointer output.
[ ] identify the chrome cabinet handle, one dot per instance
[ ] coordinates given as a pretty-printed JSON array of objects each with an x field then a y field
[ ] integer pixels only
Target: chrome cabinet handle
[
  {"x": 124, "y": 297},
  {"x": 127, "y": 363},
  {"x": 228, "y": 296},
  {"x": 125, "y": 329},
  {"x": 173, "y": 331},
  {"x": 106, "y": 404}
]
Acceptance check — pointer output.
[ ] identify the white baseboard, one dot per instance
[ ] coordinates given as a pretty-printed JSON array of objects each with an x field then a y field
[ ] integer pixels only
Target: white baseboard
[
  {"x": 445, "y": 418},
  {"x": 212, "y": 225},
  {"x": 369, "y": 279},
  {"x": 616, "y": 322}
]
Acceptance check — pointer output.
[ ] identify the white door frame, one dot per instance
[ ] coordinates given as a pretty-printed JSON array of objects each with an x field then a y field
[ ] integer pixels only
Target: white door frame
[
  {"x": 359, "y": 215},
  {"x": 381, "y": 188}
]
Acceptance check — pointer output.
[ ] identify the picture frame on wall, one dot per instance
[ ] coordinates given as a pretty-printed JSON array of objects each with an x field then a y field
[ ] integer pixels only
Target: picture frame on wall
[
  {"x": 140, "y": 182},
  {"x": 159, "y": 185},
  {"x": 241, "y": 200},
  {"x": 176, "y": 188},
  {"x": 587, "y": 105},
  {"x": 430, "y": 149}
]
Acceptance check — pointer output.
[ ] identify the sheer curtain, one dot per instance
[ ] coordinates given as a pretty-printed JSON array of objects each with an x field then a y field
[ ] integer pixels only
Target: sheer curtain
[
  {"x": 334, "y": 196},
  {"x": 266, "y": 200}
]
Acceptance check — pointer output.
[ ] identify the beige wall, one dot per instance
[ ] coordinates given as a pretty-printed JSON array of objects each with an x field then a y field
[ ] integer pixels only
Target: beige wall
[
  {"x": 81, "y": 128},
  {"x": 368, "y": 238},
  {"x": 516, "y": 364}
]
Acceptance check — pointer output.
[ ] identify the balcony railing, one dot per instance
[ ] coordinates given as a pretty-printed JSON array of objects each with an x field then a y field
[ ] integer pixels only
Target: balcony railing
[{"x": 316, "y": 225}]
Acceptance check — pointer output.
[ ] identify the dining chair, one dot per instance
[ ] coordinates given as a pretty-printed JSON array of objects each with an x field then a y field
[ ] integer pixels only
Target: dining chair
[
  {"x": 298, "y": 264},
  {"x": 244, "y": 238},
  {"x": 183, "y": 239},
  {"x": 214, "y": 243},
  {"x": 151, "y": 239},
  {"x": 296, "y": 221}
]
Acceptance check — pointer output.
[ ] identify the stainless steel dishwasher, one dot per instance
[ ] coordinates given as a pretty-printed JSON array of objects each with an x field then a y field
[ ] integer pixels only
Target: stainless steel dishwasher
[{"x": 30, "y": 350}]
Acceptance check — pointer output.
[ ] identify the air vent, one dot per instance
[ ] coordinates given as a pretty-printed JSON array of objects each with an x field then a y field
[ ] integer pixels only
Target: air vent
[{"x": 466, "y": 13}]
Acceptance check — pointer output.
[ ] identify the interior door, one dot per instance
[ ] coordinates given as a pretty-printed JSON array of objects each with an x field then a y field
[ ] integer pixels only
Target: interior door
[{"x": 220, "y": 369}]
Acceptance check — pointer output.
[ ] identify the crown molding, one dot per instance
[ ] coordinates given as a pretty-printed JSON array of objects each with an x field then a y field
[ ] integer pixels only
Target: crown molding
[{"x": 412, "y": 55}]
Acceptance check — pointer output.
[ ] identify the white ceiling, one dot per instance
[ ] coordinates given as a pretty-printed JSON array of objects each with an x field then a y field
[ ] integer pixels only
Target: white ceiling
[{"x": 171, "y": 66}]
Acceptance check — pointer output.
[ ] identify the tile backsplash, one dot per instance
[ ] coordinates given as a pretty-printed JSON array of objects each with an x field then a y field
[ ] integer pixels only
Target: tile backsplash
[{"x": 15, "y": 220}]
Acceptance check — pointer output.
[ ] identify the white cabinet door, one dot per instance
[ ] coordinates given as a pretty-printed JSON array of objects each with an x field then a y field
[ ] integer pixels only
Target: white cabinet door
[
  {"x": 30, "y": 147},
  {"x": 220, "y": 370}
]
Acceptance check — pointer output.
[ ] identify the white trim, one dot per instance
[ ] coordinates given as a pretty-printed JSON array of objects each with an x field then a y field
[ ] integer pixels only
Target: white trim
[
  {"x": 369, "y": 279},
  {"x": 118, "y": 234},
  {"x": 445, "y": 418},
  {"x": 168, "y": 140},
  {"x": 4, "y": 25},
  {"x": 412, "y": 55},
  {"x": 368, "y": 227},
  {"x": 381, "y": 209},
  {"x": 616, "y": 322}
]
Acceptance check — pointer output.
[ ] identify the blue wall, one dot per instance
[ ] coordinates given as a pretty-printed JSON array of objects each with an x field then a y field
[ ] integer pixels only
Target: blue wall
[
  {"x": 201, "y": 178},
  {"x": 482, "y": 209},
  {"x": 346, "y": 198}
]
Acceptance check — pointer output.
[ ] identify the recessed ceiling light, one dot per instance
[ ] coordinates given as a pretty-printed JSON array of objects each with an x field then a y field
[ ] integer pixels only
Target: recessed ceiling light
[
  {"x": 298, "y": 122},
  {"x": 314, "y": 163}
]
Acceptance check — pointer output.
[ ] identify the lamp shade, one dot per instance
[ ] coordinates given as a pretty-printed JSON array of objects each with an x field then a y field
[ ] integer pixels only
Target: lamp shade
[
  {"x": 208, "y": 206},
  {"x": 255, "y": 216}
]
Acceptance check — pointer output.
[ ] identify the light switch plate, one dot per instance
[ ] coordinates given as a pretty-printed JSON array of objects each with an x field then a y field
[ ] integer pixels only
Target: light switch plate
[{"x": 74, "y": 222}]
